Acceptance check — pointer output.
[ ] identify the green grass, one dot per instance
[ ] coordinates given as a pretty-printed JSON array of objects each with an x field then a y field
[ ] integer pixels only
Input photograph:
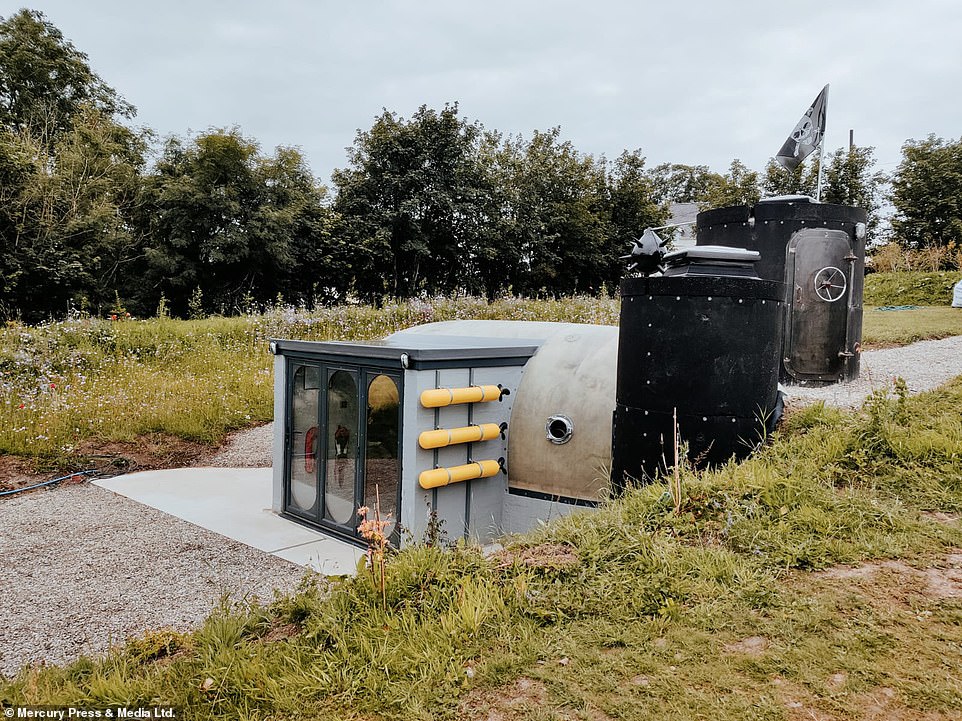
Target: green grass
[
  {"x": 911, "y": 288},
  {"x": 85, "y": 381},
  {"x": 632, "y": 612},
  {"x": 66, "y": 382},
  {"x": 85, "y": 378},
  {"x": 901, "y": 327}
]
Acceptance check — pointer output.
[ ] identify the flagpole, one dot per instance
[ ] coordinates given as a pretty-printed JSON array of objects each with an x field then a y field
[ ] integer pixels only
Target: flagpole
[
  {"x": 821, "y": 150},
  {"x": 821, "y": 157}
]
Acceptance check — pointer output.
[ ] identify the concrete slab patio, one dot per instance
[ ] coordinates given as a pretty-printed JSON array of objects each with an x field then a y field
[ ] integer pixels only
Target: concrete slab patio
[{"x": 236, "y": 502}]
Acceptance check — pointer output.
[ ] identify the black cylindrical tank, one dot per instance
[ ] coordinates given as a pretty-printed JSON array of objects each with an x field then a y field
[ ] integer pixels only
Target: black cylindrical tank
[
  {"x": 702, "y": 341},
  {"x": 818, "y": 251}
]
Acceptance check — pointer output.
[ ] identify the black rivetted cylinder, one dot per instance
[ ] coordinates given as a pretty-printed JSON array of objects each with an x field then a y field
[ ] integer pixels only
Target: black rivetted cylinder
[
  {"x": 702, "y": 341},
  {"x": 818, "y": 251}
]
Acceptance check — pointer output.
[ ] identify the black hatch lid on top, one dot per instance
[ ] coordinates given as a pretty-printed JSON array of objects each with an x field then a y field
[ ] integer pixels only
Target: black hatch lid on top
[
  {"x": 418, "y": 352},
  {"x": 712, "y": 260}
]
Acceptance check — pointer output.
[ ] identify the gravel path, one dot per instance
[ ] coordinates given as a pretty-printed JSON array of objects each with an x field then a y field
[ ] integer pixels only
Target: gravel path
[
  {"x": 83, "y": 568},
  {"x": 924, "y": 365},
  {"x": 250, "y": 448}
]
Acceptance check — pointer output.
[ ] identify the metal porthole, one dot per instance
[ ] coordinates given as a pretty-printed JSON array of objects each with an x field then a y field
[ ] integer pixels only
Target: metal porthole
[
  {"x": 830, "y": 284},
  {"x": 558, "y": 429}
]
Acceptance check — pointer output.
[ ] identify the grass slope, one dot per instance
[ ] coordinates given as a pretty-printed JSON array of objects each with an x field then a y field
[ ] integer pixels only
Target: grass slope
[
  {"x": 911, "y": 288},
  {"x": 628, "y": 612}
]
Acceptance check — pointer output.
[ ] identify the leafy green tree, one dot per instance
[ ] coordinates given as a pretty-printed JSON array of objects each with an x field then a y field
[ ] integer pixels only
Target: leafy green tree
[
  {"x": 632, "y": 199},
  {"x": 927, "y": 193},
  {"x": 17, "y": 168},
  {"x": 45, "y": 82},
  {"x": 739, "y": 186},
  {"x": 436, "y": 204},
  {"x": 66, "y": 234},
  {"x": 414, "y": 202},
  {"x": 238, "y": 225},
  {"x": 312, "y": 257},
  {"x": 776, "y": 180},
  {"x": 677, "y": 183},
  {"x": 560, "y": 217},
  {"x": 850, "y": 179},
  {"x": 70, "y": 175},
  {"x": 494, "y": 248}
]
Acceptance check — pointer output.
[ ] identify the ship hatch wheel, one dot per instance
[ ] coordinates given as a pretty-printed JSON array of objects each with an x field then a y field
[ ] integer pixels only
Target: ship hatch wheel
[{"x": 830, "y": 284}]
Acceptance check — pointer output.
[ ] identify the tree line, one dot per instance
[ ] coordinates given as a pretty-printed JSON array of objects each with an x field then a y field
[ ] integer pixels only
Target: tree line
[{"x": 98, "y": 215}]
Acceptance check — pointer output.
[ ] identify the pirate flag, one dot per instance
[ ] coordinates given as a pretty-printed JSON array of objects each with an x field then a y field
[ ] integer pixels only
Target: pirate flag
[{"x": 807, "y": 134}]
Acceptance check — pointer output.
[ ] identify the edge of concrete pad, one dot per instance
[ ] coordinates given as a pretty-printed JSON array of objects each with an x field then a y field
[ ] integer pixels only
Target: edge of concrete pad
[{"x": 236, "y": 503}]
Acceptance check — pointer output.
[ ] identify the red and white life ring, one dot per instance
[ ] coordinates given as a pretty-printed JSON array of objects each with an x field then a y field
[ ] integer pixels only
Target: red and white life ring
[{"x": 310, "y": 449}]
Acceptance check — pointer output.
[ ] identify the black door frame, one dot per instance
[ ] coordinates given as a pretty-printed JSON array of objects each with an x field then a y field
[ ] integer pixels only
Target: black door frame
[{"x": 363, "y": 372}]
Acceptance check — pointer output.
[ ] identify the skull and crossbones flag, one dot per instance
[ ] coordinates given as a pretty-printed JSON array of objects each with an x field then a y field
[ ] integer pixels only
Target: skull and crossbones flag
[{"x": 807, "y": 134}]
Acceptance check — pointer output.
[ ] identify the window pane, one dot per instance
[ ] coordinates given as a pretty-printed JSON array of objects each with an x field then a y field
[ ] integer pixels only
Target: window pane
[
  {"x": 382, "y": 471},
  {"x": 305, "y": 442},
  {"x": 341, "y": 447}
]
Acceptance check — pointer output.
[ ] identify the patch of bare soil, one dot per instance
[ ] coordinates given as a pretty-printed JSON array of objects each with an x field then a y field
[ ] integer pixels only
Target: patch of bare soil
[
  {"x": 281, "y": 632},
  {"x": 862, "y": 572},
  {"x": 946, "y": 581},
  {"x": 147, "y": 452},
  {"x": 520, "y": 700},
  {"x": 878, "y": 704},
  {"x": 800, "y": 704},
  {"x": 938, "y": 582},
  {"x": 109, "y": 458},
  {"x": 946, "y": 519},
  {"x": 751, "y": 646},
  {"x": 551, "y": 556},
  {"x": 508, "y": 703},
  {"x": 16, "y": 472},
  {"x": 883, "y": 704}
]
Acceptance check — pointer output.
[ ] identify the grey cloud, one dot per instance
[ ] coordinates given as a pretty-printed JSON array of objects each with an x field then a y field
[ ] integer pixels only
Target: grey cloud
[{"x": 695, "y": 82}]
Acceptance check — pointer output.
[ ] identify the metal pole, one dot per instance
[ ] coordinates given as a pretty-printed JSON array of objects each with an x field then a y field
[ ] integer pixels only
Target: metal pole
[
  {"x": 821, "y": 151},
  {"x": 821, "y": 157}
]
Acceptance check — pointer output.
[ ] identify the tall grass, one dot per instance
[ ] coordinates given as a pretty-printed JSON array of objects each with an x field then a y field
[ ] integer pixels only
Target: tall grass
[
  {"x": 592, "y": 600},
  {"x": 63, "y": 384},
  {"x": 911, "y": 288},
  {"x": 893, "y": 258},
  {"x": 85, "y": 378}
]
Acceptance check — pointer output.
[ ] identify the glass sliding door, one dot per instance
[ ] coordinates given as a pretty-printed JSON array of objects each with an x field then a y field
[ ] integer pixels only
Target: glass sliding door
[
  {"x": 344, "y": 432},
  {"x": 303, "y": 451},
  {"x": 382, "y": 465},
  {"x": 341, "y": 452}
]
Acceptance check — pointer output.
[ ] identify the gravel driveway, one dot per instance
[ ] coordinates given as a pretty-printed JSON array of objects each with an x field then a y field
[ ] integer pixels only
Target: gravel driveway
[
  {"x": 924, "y": 365},
  {"x": 83, "y": 568}
]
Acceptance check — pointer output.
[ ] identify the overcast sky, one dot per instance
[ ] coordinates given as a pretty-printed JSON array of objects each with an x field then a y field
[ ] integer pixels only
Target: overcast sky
[{"x": 687, "y": 82}]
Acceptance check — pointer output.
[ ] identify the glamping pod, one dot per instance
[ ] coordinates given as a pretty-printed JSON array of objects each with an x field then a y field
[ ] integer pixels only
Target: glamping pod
[
  {"x": 492, "y": 426},
  {"x": 354, "y": 427},
  {"x": 427, "y": 420},
  {"x": 818, "y": 251},
  {"x": 489, "y": 427}
]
